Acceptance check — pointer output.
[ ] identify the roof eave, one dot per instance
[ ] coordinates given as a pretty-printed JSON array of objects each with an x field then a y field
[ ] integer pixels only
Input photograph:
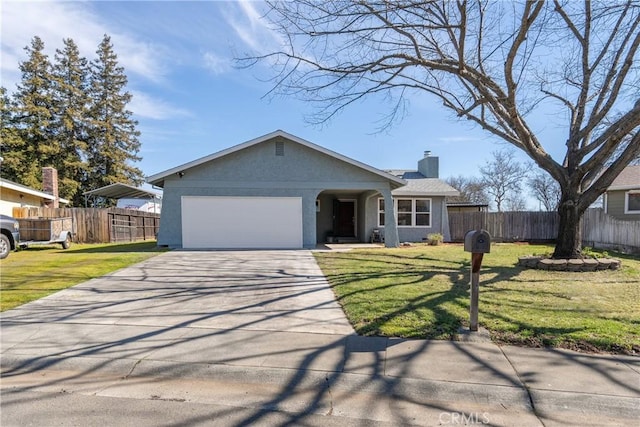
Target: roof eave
[
  {"x": 427, "y": 193},
  {"x": 37, "y": 193},
  {"x": 624, "y": 187}
]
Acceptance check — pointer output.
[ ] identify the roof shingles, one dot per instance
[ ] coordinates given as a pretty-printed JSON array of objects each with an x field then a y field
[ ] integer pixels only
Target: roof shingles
[
  {"x": 418, "y": 185},
  {"x": 628, "y": 179}
]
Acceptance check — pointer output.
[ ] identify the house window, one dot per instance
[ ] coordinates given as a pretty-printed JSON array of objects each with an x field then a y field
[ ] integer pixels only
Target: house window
[
  {"x": 410, "y": 212},
  {"x": 632, "y": 202},
  {"x": 422, "y": 212},
  {"x": 404, "y": 209}
]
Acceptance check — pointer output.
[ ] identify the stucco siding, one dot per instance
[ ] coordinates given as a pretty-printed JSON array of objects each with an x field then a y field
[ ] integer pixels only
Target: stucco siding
[
  {"x": 260, "y": 164},
  {"x": 371, "y": 216},
  {"x": 361, "y": 232},
  {"x": 324, "y": 217}
]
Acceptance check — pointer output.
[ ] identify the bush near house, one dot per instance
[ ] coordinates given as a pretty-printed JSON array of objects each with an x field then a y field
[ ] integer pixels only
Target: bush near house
[
  {"x": 423, "y": 292},
  {"x": 434, "y": 239}
]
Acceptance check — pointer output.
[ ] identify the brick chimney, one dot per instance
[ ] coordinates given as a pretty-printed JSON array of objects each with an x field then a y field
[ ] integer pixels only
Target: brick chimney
[
  {"x": 429, "y": 166},
  {"x": 50, "y": 185}
]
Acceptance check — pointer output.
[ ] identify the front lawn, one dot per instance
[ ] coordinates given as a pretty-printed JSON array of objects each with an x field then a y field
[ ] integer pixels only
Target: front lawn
[
  {"x": 423, "y": 292},
  {"x": 36, "y": 272}
]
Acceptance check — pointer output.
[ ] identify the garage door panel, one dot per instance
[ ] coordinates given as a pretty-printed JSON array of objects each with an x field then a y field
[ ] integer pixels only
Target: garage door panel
[{"x": 241, "y": 222}]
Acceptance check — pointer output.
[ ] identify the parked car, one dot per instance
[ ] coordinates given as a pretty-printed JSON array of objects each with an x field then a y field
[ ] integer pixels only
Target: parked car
[{"x": 9, "y": 235}]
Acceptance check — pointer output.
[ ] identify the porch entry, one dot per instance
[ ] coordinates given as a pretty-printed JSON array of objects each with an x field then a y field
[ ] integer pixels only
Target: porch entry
[{"x": 344, "y": 218}]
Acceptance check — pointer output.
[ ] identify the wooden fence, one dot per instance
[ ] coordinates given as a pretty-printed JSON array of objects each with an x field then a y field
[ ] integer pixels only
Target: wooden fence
[
  {"x": 506, "y": 226},
  {"x": 101, "y": 225},
  {"x": 598, "y": 229}
]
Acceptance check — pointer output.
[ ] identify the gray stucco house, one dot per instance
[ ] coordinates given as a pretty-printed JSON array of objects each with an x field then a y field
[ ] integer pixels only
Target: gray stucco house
[
  {"x": 280, "y": 191},
  {"x": 622, "y": 198}
]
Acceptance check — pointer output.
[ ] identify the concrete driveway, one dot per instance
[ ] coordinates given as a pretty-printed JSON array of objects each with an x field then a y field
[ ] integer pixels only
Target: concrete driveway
[{"x": 186, "y": 300}]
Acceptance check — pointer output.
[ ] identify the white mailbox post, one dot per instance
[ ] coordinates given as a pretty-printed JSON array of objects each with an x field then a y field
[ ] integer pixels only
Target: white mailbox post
[{"x": 478, "y": 242}]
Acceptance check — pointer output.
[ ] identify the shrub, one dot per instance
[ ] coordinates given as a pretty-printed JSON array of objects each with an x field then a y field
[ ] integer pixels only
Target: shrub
[
  {"x": 589, "y": 252},
  {"x": 434, "y": 239}
]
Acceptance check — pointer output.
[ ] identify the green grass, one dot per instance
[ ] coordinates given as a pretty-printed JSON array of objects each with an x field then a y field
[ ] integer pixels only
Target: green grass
[
  {"x": 36, "y": 272},
  {"x": 423, "y": 292}
]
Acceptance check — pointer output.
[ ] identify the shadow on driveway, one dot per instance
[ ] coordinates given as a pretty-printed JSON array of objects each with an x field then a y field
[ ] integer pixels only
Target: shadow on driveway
[{"x": 260, "y": 319}]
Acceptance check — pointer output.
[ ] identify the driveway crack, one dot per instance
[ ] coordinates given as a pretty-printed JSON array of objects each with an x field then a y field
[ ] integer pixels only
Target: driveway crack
[
  {"x": 135, "y": 365},
  {"x": 330, "y": 397}
]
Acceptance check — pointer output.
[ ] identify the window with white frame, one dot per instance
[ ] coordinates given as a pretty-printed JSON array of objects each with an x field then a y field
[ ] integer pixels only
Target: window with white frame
[
  {"x": 410, "y": 212},
  {"x": 404, "y": 212},
  {"x": 632, "y": 202},
  {"x": 422, "y": 208}
]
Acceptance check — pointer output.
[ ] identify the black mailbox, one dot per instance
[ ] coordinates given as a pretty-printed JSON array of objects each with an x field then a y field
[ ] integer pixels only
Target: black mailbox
[{"x": 477, "y": 242}]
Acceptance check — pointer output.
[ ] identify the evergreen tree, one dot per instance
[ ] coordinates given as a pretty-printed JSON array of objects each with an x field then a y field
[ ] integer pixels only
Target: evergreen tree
[
  {"x": 33, "y": 106},
  {"x": 11, "y": 143},
  {"x": 113, "y": 139},
  {"x": 71, "y": 102}
]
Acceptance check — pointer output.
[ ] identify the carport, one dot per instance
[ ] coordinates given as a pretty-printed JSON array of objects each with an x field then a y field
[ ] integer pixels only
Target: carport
[{"x": 120, "y": 191}]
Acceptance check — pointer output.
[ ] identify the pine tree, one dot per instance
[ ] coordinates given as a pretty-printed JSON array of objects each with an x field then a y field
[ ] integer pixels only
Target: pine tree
[
  {"x": 11, "y": 143},
  {"x": 71, "y": 102},
  {"x": 33, "y": 105},
  {"x": 113, "y": 139}
]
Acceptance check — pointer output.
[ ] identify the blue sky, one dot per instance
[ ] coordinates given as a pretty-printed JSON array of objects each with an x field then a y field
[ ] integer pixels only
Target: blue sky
[{"x": 190, "y": 99}]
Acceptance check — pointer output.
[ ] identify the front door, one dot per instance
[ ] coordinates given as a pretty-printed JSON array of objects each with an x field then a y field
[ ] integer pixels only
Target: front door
[{"x": 344, "y": 218}]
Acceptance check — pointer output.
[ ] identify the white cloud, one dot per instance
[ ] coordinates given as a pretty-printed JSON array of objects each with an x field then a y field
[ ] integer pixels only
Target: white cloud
[
  {"x": 140, "y": 57},
  {"x": 144, "y": 105},
  {"x": 216, "y": 63},
  {"x": 54, "y": 21},
  {"x": 251, "y": 28}
]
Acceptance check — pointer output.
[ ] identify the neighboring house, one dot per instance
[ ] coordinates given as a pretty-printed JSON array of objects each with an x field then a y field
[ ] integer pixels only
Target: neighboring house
[
  {"x": 144, "y": 205},
  {"x": 14, "y": 195},
  {"x": 280, "y": 191},
  {"x": 622, "y": 198}
]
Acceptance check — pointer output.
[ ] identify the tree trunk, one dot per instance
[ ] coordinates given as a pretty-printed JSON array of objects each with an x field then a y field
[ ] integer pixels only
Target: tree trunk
[{"x": 569, "y": 241}]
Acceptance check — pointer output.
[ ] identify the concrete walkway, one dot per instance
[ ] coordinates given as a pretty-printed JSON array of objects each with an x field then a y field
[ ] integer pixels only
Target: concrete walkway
[{"x": 257, "y": 338}]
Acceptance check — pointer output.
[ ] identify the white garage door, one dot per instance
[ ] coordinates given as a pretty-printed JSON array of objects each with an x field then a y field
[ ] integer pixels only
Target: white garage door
[{"x": 241, "y": 222}]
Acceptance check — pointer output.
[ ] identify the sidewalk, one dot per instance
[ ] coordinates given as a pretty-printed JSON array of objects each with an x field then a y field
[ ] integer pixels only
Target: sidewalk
[{"x": 318, "y": 379}]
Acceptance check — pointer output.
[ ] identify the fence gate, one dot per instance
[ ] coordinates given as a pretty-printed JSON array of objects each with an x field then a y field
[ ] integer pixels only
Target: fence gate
[{"x": 122, "y": 229}]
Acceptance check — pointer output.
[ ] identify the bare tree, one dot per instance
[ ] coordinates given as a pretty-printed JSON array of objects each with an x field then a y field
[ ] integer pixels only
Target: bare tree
[
  {"x": 471, "y": 190},
  {"x": 545, "y": 190},
  {"x": 635, "y": 161},
  {"x": 490, "y": 62},
  {"x": 515, "y": 202},
  {"x": 502, "y": 177}
]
